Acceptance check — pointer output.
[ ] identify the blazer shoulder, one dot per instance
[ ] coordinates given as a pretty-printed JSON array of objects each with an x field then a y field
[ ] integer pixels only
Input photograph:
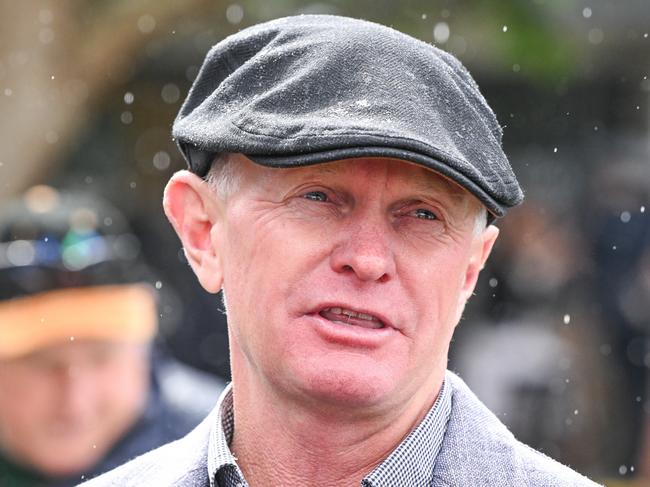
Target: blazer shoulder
[
  {"x": 479, "y": 450},
  {"x": 542, "y": 470}
]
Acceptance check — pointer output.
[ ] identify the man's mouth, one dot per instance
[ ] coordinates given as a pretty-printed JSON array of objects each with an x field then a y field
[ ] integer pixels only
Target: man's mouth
[{"x": 345, "y": 316}]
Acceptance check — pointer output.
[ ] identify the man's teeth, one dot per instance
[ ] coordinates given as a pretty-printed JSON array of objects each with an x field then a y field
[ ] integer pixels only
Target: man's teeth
[{"x": 351, "y": 314}]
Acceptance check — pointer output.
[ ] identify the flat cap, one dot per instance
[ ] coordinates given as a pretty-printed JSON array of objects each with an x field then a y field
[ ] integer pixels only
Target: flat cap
[{"x": 317, "y": 88}]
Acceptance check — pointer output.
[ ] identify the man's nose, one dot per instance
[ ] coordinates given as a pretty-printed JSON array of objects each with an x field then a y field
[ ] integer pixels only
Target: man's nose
[
  {"x": 75, "y": 392},
  {"x": 365, "y": 251}
]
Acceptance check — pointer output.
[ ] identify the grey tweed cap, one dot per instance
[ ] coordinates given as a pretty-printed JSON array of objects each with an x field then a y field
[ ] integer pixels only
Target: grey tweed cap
[{"x": 317, "y": 88}]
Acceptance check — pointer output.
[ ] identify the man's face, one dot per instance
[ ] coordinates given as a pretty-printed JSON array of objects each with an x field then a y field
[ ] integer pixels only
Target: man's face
[
  {"x": 344, "y": 281},
  {"x": 62, "y": 408}
]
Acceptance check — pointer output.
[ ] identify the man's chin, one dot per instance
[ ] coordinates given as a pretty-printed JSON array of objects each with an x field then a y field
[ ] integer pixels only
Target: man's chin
[
  {"x": 347, "y": 391},
  {"x": 60, "y": 461}
]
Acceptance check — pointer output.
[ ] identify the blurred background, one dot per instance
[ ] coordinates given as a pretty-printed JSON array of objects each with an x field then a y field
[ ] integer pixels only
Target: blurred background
[{"x": 556, "y": 340}]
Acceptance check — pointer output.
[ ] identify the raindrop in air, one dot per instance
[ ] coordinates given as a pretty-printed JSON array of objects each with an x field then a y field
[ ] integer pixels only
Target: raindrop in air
[
  {"x": 170, "y": 93},
  {"x": 146, "y": 24},
  {"x": 441, "y": 32},
  {"x": 126, "y": 117},
  {"x": 234, "y": 13},
  {"x": 595, "y": 36}
]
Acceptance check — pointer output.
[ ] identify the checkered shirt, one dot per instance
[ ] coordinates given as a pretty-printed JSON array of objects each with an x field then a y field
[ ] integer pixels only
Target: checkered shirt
[{"x": 410, "y": 464}]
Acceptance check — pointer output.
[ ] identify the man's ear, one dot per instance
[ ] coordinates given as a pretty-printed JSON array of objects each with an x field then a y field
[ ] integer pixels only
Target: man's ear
[
  {"x": 481, "y": 248},
  {"x": 193, "y": 209}
]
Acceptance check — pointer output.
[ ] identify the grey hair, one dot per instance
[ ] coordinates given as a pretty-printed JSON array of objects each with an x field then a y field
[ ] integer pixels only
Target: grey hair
[
  {"x": 480, "y": 222},
  {"x": 224, "y": 175}
]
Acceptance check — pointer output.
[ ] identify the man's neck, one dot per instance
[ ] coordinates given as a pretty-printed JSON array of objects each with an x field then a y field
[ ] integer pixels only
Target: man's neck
[{"x": 277, "y": 442}]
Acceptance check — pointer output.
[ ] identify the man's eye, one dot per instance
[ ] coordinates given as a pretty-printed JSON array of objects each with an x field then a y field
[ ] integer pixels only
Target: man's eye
[
  {"x": 425, "y": 214},
  {"x": 316, "y": 196}
]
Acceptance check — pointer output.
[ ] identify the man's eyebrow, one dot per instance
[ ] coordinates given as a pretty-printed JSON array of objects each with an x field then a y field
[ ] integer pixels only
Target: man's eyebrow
[{"x": 431, "y": 180}]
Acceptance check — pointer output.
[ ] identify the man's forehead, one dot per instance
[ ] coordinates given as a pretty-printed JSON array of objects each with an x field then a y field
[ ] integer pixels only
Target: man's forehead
[{"x": 415, "y": 176}]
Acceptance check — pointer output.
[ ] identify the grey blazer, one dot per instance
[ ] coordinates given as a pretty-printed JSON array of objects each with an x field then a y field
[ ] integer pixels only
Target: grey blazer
[{"x": 477, "y": 451}]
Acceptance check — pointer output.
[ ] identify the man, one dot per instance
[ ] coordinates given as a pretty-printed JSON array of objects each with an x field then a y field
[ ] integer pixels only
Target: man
[
  {"x": 78, "y": 392},
  {"x": 351, "y": 175}
]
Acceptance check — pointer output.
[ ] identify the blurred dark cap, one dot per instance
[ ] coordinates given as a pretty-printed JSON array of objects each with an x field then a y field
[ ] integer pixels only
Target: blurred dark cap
[
  {"x": 317, "y": 88},
  {"x": 52, "y": 240}
]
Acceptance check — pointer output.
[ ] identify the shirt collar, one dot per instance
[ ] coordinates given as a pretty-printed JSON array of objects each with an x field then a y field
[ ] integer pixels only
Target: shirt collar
[
  {"x": 220, "y": 458},
  {"x": 411, "y": 463}
]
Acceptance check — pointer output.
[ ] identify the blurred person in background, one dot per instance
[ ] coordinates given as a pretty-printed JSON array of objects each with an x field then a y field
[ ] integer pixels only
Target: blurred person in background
[{"x": 82, "y": 386}]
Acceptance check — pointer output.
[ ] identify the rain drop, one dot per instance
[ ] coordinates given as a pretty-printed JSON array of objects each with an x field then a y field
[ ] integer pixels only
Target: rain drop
[
  {"x": 642, "y": 209},
  {"x": 46, "y": 36},
  {"x": 170, "y": 93},
  {"x": 554, "y": 149},
  {"x": 161, "y": 160},
  {"x": 72, "y": 339},
  {"x": 126, "y": 117},
  {"x": 146, "y": 24},
  {"x": 158, "y": 285},
  {"x": 595, "y": 36},
  {"x": 622, "y": 470},
  {"x": 493, "y": 282},
  {"x": 586, "y": 12},
  {"x": 625, "y": 216},
  {"x": 504, "y": 28},
  {"x": 441, "y": 32},
  {"x": 45, "y": 16},
  {"x": 566, "y": 319},
  {"x": 128, "y": 97},
  {"x": 234, "y": 13}
]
